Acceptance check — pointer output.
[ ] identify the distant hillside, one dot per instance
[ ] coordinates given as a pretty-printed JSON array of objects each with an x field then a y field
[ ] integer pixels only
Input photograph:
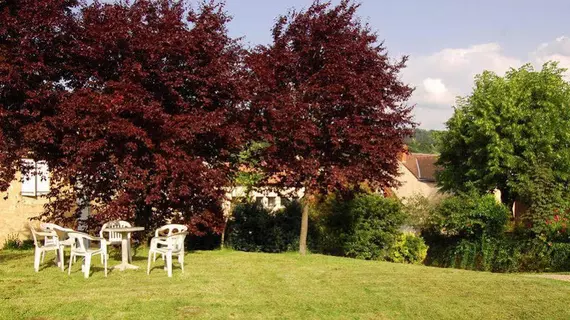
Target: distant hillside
[{"x": 424, "y": 141}]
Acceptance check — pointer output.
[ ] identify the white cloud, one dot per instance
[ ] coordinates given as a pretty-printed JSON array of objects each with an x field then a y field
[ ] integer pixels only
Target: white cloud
[
  {"x": 440, "y": 77},
  {"x": 557, "y": 50}
]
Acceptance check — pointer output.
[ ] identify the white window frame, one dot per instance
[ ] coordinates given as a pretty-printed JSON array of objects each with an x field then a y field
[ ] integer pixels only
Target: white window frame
[{"x": 37, "y": 181}]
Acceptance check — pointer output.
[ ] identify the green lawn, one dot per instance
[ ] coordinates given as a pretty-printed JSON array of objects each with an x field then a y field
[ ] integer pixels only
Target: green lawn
[{"x": 236, "y": 285}]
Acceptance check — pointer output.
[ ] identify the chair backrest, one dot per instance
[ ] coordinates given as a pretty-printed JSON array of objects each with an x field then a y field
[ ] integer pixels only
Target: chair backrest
[
  {"x": 176, "y": 241},
  {"x": 48, "y": 240},
  {"x": 80, "y": 241},
  {"x": 60, "y": 231},
  {"x": 34, "y": 236},
  {"x": 114, "y": 236},
  {"x": 170, "y": 229}
]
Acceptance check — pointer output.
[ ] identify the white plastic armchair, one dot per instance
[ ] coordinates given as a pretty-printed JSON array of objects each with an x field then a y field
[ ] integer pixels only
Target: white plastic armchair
[
  {"x": 81, "y": 248},
  {"x": 174, "y": 246},
  {"x": 165, "y": 231},
  {"x": 62, "y": 233},
  {"x": 114, "y": 238},
  {"x": 51, "y": 243}
]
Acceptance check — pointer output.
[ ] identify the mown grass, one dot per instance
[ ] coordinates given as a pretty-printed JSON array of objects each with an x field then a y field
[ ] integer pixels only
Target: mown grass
[{"x": 237, "y": 285}]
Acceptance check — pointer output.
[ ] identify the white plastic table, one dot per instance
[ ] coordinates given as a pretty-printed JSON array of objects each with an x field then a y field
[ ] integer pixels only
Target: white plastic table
[{"x": 125, "y": 246}]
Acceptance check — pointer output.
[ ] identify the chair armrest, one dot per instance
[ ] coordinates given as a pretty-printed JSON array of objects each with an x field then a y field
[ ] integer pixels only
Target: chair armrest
[
  {"x": 46, "y": 234},
  {"x": 154, "y": 242},
  {"x": 93, "y": 238}
]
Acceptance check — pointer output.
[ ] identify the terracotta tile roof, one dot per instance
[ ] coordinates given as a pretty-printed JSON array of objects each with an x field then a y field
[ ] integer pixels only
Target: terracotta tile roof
[{"x": 422, "y": 166}]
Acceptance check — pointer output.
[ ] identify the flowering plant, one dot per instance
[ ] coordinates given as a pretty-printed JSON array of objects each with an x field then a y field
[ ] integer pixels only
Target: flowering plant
[{"x": 557, "y": 227}]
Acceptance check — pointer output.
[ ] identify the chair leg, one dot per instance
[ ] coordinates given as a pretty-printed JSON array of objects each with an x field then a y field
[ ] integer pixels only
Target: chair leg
[
  {"x": 148, "y": 264},
  {"x": 71, "y": 259},
  {"x": 87, "y": 265},
  {"x": 105, "y": 258},
  {"x": 43, "y": 256},
  {"x": 181, "y": 260},
  {"x": 37, "y": 258},
  {"x": 62, "y": 258},
  {"x": 169, "y": 264}
]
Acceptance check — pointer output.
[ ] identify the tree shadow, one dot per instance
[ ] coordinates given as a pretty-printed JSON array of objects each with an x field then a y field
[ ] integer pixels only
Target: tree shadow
[
  {"x": 11, "y": 255},
  {"x": 92, "y": 270}
]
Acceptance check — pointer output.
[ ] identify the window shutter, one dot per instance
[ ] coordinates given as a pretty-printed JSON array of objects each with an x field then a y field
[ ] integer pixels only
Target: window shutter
[
  {"x": 42, "y": 178},
  {"x": 29, "y": 179}
]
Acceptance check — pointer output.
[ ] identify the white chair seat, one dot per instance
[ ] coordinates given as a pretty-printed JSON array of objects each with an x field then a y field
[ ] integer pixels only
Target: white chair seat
[{"x": 51, "y": 247}]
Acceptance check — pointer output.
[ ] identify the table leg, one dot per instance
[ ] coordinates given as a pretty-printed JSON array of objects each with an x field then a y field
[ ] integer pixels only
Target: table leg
[{"x": 125, "y": 249}]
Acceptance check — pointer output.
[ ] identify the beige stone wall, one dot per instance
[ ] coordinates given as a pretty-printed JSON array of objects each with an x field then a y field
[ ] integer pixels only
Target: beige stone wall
[
  {"x": 15, "y": 211},
  {"x": 412, "y": 186}
]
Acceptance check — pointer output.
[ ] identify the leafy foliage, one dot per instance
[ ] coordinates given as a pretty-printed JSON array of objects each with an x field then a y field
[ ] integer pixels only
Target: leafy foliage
[
  {"x": 255, "y": 229},
  {"x": 468, "y": 216},
  {"x": 13, "y": 242},
  {"x": 365, "y": 227},
  {"x": 408, "y": 248},
  {"x": 329, "y": 101},
  {"x": 507, "y": 254},
  {"x": 424, "y": 141},
  {"x": 134, "y": 106},
  {"x": 505, "y": 129}
]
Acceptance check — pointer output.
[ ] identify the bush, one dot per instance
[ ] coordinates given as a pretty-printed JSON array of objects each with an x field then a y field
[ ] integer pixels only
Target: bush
[
  {"x": 375, "y": 223},
  {"x": 256, "y": 229},
  {"x": 364, "y": 227},
  {"x": 408, "y": 248},
  {"x": 469, "y": 216},
  {"x": 507, "y": 254},
  {"x": 13, "y": 242}
]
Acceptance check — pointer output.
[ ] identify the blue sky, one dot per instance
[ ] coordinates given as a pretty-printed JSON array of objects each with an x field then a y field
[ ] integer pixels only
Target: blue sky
[{"x": 448, "y": 42}]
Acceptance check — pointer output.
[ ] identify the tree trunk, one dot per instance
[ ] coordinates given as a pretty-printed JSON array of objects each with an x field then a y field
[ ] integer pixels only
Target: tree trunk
[
  {"x": 304, "y": 228},
  {"x": 223, "y": 242}
]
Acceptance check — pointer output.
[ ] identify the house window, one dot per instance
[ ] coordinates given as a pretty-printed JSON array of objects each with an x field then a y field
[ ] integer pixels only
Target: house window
[
  {"x": 271, "y": 202},
  {"x": 36, "y": 180},
  {"x": 259, "y": 201}
]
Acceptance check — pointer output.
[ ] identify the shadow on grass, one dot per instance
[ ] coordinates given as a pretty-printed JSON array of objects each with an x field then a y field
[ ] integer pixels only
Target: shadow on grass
[
  {"x": 94, "y": 269},
  {"x": 11, "y": 255}
]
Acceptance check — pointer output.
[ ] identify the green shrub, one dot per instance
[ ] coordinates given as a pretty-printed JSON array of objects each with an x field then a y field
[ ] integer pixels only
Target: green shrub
[
  {"x": 256, "y": 229},
  {"x": 13, "y": 242},
  {"x": 364, "y": 227},
  {"x": 469, "y": 216},
  {"x": 375, "y": 223},
  {"x": 419, "y": 209},
  {"x": 408, "y": 248},
  {"x": 507, "y": 254}
]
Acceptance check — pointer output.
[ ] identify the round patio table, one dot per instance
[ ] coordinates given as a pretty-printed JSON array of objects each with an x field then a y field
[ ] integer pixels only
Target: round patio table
[{"x": 125, "y": 246}]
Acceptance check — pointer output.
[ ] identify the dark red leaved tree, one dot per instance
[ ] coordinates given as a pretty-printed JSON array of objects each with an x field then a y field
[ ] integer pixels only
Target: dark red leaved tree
[
  {"x": 148, "y": 116},
  {"x": 330, "y": 102},
  {"x": 34, "y": 40}
]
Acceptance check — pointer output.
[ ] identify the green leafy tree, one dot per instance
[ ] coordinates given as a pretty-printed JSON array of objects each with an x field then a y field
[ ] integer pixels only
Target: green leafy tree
[
  {"x": 424, "y": 141},
  {"x": 506, "y": 129}
]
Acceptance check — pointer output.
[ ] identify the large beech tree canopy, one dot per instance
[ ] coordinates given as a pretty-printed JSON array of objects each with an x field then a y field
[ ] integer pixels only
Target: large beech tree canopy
[{"x": 142, "y": 108}]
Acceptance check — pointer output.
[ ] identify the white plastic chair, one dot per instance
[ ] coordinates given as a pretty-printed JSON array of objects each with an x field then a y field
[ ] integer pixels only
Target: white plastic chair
[
  {"x": 165, "y": 231},
  {"x": 174, "y": 247},
  {"x": 81, "y": 248},
  {"x": 115, "y": 238},
  {"x": 62, "y": 234},
  {"x": 51, "y": 243}
]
